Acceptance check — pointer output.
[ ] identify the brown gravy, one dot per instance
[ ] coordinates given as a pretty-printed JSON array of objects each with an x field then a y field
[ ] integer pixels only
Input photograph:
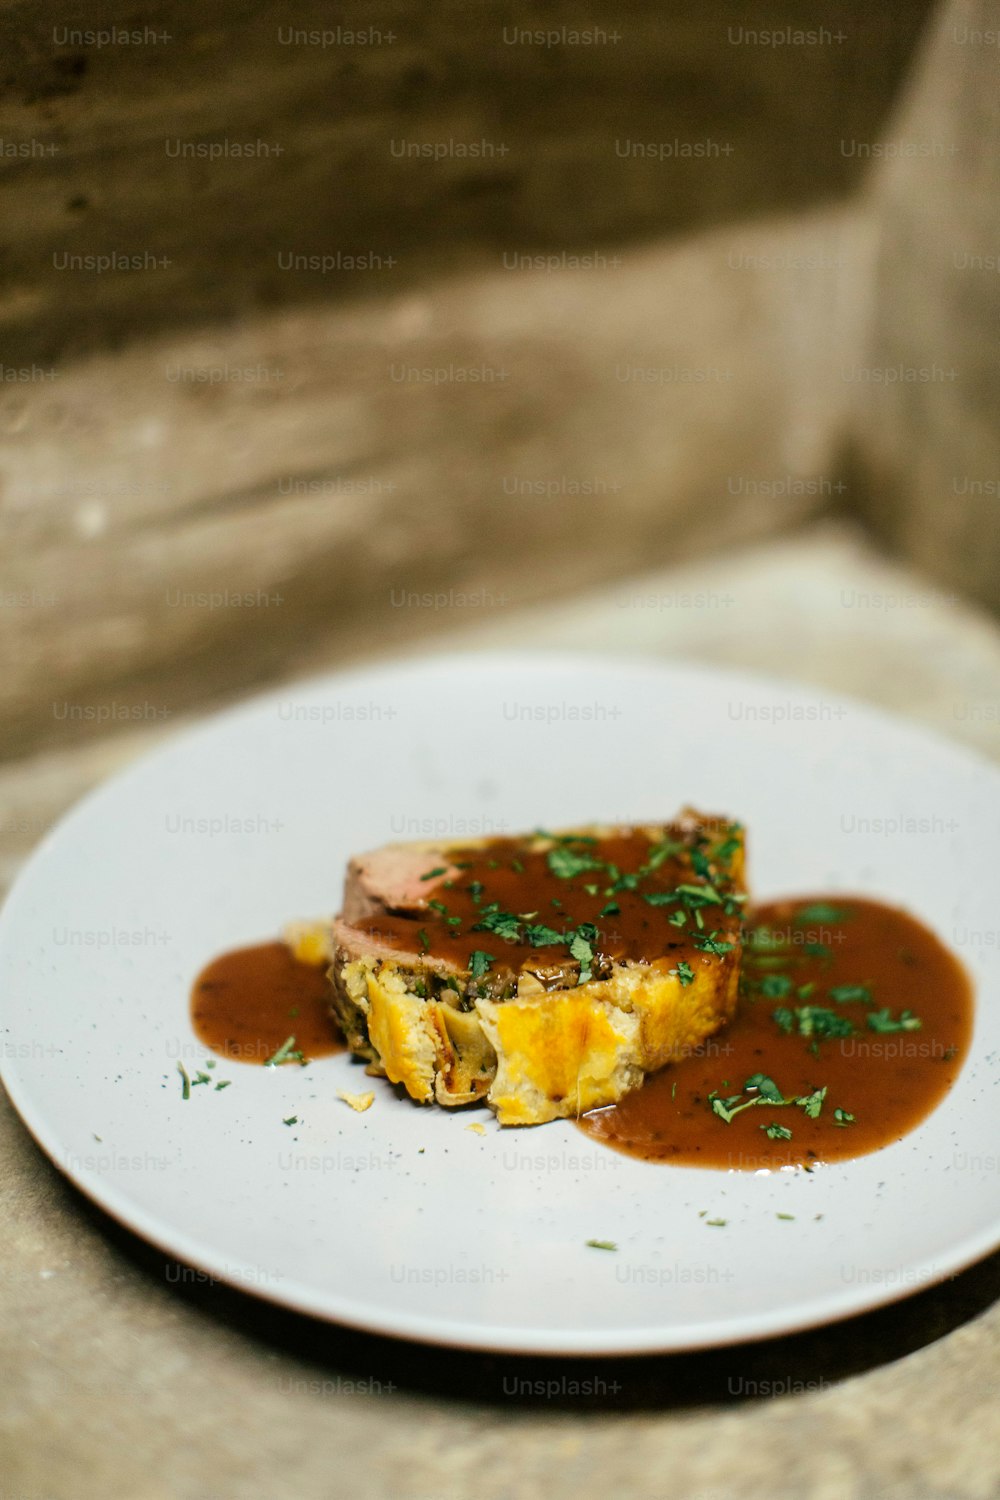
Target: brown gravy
[
  {"x": 626, "y": 923},
  {"x": 889, "y": 1080},
  {"x": 246, "y": 1004}
]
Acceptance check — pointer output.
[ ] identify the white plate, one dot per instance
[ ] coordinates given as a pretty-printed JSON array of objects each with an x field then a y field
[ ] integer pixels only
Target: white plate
[{"x": 475, "y": 1240}]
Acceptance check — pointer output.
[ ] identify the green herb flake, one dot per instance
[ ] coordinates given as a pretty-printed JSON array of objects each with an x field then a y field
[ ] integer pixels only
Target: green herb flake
[
  {"x": 479, "y": 963},
  {"x": 789, "y": 1217},
  {"x": 430, "y": 874},
  {"x": 423, "y": 939},
  {"x": 711, "y": 943},
  {"x": 540, "y": 936},
  {"x": 565, "y": 863},
  {"x": 285, "y": 1053},
  {"x": 716, "y": 1223},
  {"x": 222, "y": 1084},
  {"x": 724, "y": 853},
  {"x": 842, "y": 1117},
  {"x": 812, "y": 1103},
  {"x": 504, "y": 923},
  {"x": 601, "y": 1244},
  {"x": 776, "y": 986},
  {"x": 185, "y": 1081},
  {"x": 291, "y": 1120},
  {"x": 813, "y": 1021},
  {"x": 666, "y": 848},
  {"x": 581, "y": 949},
  {"x": 851, "y": 994},
  {"x": 766, "y": 1088},
  {"x": 684, "y": 973},
  {"x": 819, "y": 911},
  {"x": 775, "y": 1132},
  {"x": 883, "y": 1021}
]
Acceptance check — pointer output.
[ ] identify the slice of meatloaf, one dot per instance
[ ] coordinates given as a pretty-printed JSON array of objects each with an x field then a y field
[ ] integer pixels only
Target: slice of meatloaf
[{"x": 546, "y": 973}]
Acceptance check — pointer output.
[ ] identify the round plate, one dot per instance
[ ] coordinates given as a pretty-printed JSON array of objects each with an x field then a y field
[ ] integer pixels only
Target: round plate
[{"x": 401, "y": 1220}]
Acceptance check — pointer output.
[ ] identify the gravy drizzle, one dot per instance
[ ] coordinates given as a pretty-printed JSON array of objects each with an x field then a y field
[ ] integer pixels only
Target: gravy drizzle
[{"x": 812, "y": 968}]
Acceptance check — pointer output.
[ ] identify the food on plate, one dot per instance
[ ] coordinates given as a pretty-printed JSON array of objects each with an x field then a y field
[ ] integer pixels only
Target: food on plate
[{"x": 546, "y": 973}]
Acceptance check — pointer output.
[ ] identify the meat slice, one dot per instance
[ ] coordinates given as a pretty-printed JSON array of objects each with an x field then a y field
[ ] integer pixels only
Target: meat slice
[
  {"x": 546, "y": 973},
  {"x": 393, "y": 878}
]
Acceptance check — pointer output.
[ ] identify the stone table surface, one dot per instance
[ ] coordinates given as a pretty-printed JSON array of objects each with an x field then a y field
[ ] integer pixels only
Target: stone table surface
[{"x": 119, "y": 1379}]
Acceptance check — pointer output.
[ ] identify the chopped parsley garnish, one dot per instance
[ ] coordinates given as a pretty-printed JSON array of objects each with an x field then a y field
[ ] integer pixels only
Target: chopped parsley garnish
[
  {"x": 601, "y": 1244},
  {"x": 291, "y": 1120},
  {"x": 724, "y": 853},
  {"x": 851, "y": 994},
  {"x": 684, "y": 972},
  {"x": 185, "y": 1081},
  {"x": 479, "y": 963},
  {"x": 819, "y": 911},
  {"x": 882, "y": 1020},
  {"x": 775, "y": 1132},
  {"x": 716, "y": 1223},
  {"x": 540, "y": 936},
  {"x": 678, "y": 919},
  {"x": 660, "y": 898},
  {"x": 813, "y": 1103},
  {"x": 611, "y": 910},
  {"x": 665, "y": 849},
  {"x": 504, "y": 923},
  {"x": 766, "y": 1087},
  {"x": 430, "y": 874},
  {"x": 286, "y": 1053},
  {"x": 813, "y": 1021},
  {"x": 775, "y": 986},
  {"x": 842, "y": 1117},
  {"x": 423, "y": 939},
  {"x": 580, "y": 948},
  {"x": 440, "y": 907},
  {"x": 699, "y": 895},
  {"x": 565, "y": 862},
  {"x": 764, "y": 1090},
  {"x": 709, "y": 943}
]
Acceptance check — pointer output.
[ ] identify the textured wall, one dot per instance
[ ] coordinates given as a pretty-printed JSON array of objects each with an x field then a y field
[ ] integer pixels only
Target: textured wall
[
  {"x": 928, "y": 405},
  {"x": 327, "y": 450},
  {"x": 556, "y": 126}
]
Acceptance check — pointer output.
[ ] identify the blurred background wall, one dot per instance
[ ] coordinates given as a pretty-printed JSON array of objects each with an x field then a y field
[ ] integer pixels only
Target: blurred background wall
[{"x": 321, "y": 335}]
